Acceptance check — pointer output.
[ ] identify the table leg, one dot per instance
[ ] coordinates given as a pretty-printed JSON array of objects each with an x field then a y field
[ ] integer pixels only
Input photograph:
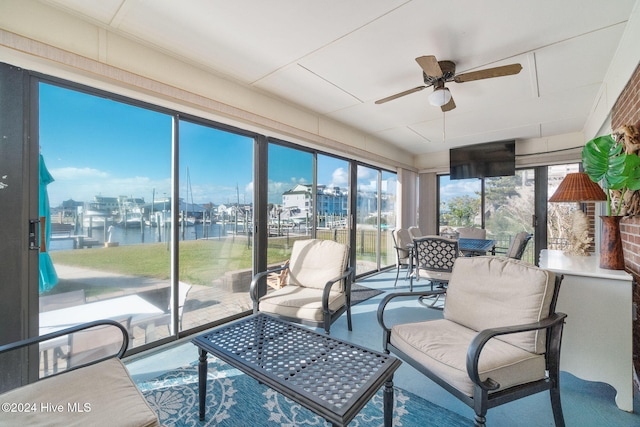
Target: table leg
[
  {"x": 202, "y": 382},
  {"x": 388, "y": 402}
]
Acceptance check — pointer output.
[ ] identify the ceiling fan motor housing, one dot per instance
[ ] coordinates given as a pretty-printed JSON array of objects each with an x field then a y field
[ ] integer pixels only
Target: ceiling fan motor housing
[{"x": 448, "y": 72}]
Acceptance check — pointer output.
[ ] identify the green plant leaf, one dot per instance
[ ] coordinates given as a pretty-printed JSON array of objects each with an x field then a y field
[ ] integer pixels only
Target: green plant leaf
[
  {"x": 632, "y": 172},
  {"x": 604, "y": 162}
]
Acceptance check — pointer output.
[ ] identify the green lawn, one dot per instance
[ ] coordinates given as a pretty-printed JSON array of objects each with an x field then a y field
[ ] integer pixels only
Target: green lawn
[{"x": 200, "y": 262}]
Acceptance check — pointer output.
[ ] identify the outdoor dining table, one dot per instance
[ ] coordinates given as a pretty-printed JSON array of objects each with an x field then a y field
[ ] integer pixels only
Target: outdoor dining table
[
  {"x": 469, "y": 247},
  {"x": 474, "y": 247},
  {"x": 133, "y": 305},
  {"x": 130, "y": 305}
]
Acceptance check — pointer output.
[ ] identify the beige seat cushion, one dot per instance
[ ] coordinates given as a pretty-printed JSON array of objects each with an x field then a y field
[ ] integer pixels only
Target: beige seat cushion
[
  {"x": 315, "y": 262},
  {"x": 434, "y": 275},
  {"x": 489, "y": 292},
  {"x": 106, "y": 388},
  {"x": 300, "y": 302},
  {"x": 441, "y": 347}
]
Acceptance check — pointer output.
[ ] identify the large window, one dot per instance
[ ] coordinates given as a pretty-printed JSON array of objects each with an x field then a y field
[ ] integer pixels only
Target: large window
[
  {"x": 215, "y": 219},
  {"x": 504, "y": 206},
  {"x": 290, "y": 200},
  {"x": 150, "y": 213},
  {"x": 103, "y": 163},
  {"x": 375, "y": 219},
  {"x": 332, "y": 199},
  {"x": 118, "y": 208},
  {"x": 509, "y": 208},
  {"x": 559, "y": 215},
  {"x": 388, "y": 209}
]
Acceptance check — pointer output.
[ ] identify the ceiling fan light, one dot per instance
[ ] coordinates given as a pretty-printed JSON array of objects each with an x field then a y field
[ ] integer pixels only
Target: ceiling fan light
[{"x": 439, "y": 97}]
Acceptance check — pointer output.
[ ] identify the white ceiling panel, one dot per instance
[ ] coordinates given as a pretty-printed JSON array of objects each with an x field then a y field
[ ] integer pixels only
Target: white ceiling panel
[{"x": 337, "y": 57}]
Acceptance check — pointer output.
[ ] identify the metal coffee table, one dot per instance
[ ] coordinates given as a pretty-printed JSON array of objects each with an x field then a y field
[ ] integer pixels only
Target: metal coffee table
[{"x": 333, "y": 378}]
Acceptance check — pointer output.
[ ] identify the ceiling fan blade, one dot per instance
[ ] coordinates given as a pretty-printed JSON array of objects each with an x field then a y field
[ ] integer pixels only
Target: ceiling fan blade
[
  {"x": 398, "y": 95},
  {"x": 505, "y": 70},
  {"x": 429, "y": 65},
  {"x": 448, "y": 106}
]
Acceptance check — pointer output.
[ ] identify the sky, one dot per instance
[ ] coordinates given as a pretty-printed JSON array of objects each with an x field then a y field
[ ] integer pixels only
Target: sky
[
  {"x": 97, "y": 146},
  {"x": 457, "y": 187}
]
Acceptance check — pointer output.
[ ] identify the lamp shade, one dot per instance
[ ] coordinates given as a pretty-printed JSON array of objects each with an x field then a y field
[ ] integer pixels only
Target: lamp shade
[
  {"x": 439, "y": 97},
  {"x": 578, "y": 187}
]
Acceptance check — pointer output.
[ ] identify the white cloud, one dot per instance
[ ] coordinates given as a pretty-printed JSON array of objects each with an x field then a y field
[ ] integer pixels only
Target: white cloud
[{"x": 339, "y": 178}]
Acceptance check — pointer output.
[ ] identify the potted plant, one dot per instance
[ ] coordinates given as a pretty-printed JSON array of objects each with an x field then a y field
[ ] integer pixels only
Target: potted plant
[{"x": 606, "y": 163}]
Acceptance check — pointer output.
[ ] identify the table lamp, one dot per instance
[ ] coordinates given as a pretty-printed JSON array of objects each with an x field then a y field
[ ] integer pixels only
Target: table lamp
[{"x": 578, "y": 187}]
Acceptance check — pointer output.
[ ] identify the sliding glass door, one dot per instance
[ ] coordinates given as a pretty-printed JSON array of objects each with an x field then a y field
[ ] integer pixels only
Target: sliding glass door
[
  {"x": 290, "y": 200},
  {"x": 504, "y": 206},
  {"x": 102, "y": 164},
  {"x": 214, "y": 224},
  {"x": 332, "y": 199},
  {"x": 509, "y": 209},
  {"x": 150, "y": 220}
]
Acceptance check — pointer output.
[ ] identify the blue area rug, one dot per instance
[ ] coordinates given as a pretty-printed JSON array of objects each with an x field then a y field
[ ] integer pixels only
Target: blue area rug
[{"x": 234, "y": 399}]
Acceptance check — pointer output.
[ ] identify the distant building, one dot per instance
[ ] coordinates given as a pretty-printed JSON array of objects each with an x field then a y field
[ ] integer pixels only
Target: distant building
[{"x": 330, "y": 200}]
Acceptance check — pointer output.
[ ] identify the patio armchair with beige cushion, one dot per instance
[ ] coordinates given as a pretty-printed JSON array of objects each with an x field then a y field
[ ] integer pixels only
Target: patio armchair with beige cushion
[
  {"x": 96, "y": 393},
  {"x": 318, "y": 285},
  {"x": 498, "y": 340}
]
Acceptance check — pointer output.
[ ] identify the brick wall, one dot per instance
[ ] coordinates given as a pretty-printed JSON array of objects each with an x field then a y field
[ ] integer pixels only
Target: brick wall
[{"x": 626, "y": 111}]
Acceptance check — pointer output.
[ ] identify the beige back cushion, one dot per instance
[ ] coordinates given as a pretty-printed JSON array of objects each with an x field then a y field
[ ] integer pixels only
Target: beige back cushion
[
  {"x": 472, "y": 233},
  {"x": 488, "y": 292},
  {"x": 315, "y": 262}
]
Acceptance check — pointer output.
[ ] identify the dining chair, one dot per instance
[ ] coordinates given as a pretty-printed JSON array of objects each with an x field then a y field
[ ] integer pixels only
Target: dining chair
[
  {"x": 165, "y": 318},
  {"x": 472, "y": 233},
  {"x": 517, "y": 247},
  {"x": 401, "y": 242},
  {"x": 434, "y": 260},
  {"x": 415, "y": 232},
  {"x": 56, "y": 302}
]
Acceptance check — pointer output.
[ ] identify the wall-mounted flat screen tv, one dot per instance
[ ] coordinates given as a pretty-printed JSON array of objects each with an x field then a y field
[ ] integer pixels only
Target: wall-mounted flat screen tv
[{"x": 483, "y": 160}]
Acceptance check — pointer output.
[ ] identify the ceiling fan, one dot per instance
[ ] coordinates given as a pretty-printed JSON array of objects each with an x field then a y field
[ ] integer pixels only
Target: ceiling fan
[{"x": 437, "y": 73}]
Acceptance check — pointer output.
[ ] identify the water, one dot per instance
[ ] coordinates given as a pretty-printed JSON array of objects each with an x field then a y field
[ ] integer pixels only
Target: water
[{"x": 146, "y": 234}]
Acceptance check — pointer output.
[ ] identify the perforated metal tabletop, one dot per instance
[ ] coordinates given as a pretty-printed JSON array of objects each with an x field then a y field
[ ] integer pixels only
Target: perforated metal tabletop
[{"x": 333, "y": 378}]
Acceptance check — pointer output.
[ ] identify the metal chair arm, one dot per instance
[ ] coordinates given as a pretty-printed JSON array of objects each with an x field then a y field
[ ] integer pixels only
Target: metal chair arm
[
  {"x": 478, "y": 343},
  {"x": 253, "y": 288},
  {"x": 68, "y": 331},
  {"x": 348, "y": 273}
]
